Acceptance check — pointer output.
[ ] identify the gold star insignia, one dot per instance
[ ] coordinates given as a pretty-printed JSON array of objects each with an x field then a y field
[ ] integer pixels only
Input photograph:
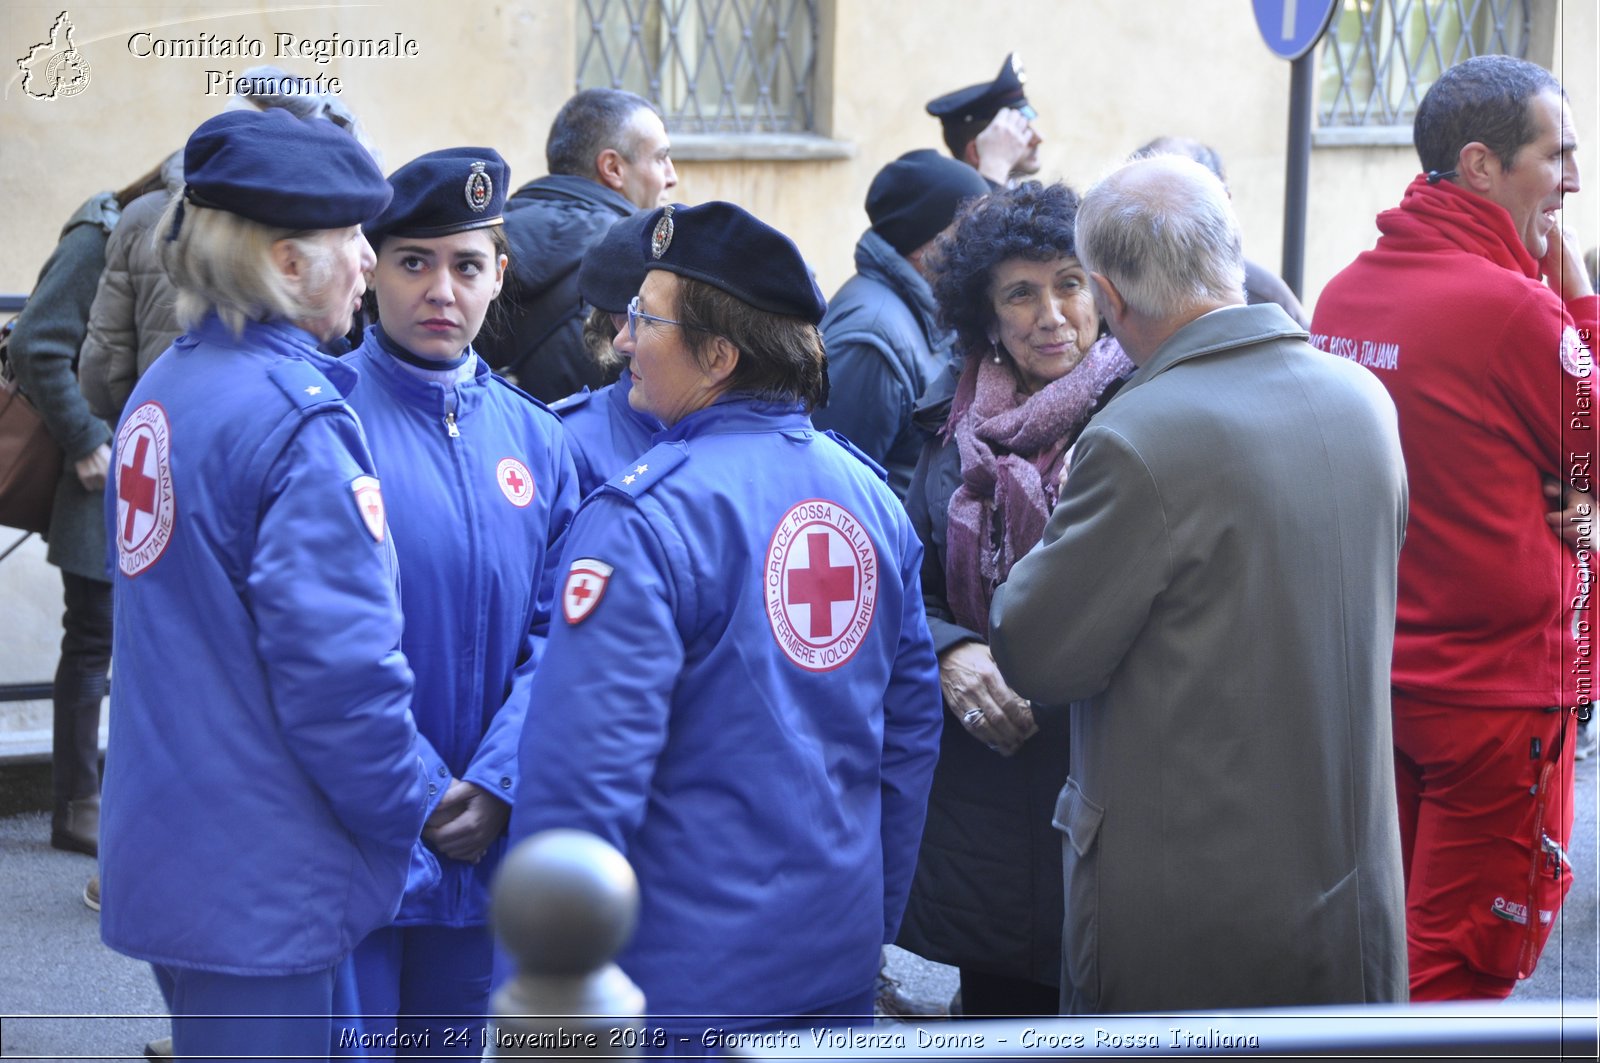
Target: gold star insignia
[
  {"x": 628, "y": 479},
  {"x": 314, "y": 389},
  {"x": 641, "y": 469}
]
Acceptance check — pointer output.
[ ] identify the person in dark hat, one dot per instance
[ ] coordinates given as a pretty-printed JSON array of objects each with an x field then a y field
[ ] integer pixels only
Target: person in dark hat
[
  {"x": 603, "y": 430},
  {"x": 989, "y": 126},
  {"x": 740, "y": 693},
  {"x": 479, "y": 486},
  {"x": 265, "y": 785},
  {"x": 882, "y": 333}
]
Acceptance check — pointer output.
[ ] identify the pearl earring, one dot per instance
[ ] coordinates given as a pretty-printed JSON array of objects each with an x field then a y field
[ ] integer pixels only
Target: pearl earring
[{"x": 995, "y": 347}]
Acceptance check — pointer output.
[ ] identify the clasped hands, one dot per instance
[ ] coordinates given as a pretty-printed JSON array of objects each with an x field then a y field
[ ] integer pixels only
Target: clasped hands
[
  {"x": 466, "y": 821},
  {"x": 977, "y": 695}
]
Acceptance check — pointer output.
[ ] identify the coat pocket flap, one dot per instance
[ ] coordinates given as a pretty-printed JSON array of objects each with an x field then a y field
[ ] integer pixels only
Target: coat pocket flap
[{"x": 1077, "y": 817}]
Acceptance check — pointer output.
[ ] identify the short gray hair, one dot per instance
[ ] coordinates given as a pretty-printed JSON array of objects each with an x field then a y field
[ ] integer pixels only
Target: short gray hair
[
  {"x": 222, "y": 262},
  {"x": 1163, "y": 231},
  {"x": 589, "y": 123}
]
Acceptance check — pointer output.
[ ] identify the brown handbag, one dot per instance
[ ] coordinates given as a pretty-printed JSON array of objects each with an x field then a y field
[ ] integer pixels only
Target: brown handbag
[{"x": 30, "y": 460}]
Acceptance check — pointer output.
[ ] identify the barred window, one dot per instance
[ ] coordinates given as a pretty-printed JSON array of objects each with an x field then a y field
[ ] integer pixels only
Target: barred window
[
  {"x": 711, "y": 66},
  {"x": 1381, "y": 56}
]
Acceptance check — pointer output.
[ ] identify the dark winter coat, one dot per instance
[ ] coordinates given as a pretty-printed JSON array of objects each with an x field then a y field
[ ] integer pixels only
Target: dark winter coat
[
  {"x": 988, "y": 888},
  {"x": 534, "y": 333},
  {"x": 44, "y": 351},
  {"x": 884, "y": 347}
]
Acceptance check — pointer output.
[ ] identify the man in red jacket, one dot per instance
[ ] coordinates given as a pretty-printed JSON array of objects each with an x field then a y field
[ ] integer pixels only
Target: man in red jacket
[{"x": 1475, "y": 312}]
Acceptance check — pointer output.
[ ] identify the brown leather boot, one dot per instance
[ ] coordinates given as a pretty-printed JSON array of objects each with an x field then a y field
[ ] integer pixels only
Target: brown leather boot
[{"x": 75, "y": 826}]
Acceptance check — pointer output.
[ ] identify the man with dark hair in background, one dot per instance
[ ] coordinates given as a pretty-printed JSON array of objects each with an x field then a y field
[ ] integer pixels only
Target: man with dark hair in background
[
  {"x": 1475, "y": 312},
  {"x": 609, "y": 156}
]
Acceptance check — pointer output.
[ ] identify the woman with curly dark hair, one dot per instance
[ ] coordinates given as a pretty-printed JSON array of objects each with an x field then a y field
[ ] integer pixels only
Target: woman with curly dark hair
[{"x": 987, "y": 897}]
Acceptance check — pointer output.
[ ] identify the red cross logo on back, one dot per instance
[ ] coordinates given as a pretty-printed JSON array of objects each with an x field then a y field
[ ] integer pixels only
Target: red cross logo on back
[
  {"x": 820, "y": 584},
  {"x": 145, "y": 504},
  {"x": 136, "y": 488}
]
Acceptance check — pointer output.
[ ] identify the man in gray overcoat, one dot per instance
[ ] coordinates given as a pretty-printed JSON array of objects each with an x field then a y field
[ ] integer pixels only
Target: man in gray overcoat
[{"x": 1215, "y": 595}]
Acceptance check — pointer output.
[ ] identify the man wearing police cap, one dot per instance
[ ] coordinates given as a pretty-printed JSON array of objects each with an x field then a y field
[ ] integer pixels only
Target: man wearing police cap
[
  {"x": 740, "y": 693},
  {"x": 989, "y": 126}
]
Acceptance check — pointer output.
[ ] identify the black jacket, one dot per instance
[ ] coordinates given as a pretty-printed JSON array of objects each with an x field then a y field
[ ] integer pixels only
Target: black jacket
[
  {"x": 988, "y": 888},
  {"x": 534, "y": 332},
  {"x": 884, "y": 346}
]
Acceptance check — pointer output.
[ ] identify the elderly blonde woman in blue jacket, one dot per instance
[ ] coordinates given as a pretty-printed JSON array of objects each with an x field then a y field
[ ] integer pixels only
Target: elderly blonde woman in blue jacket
[
  {"x": 265, "y": 787},
  {"x": 479, "y": 486}
]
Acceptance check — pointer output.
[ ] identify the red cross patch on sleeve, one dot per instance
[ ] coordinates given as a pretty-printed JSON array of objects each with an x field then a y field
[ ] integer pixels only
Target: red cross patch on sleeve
[
  {"x": 369, "y": 503},
  {"x": 586, "y": 585}
]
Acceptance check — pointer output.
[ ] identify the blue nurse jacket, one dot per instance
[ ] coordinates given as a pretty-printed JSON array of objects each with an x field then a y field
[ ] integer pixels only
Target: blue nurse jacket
[
  {"x": 263, "y": 788},
  {"x": 479, "y": 489},
  {"x": 740, "y": 693}
]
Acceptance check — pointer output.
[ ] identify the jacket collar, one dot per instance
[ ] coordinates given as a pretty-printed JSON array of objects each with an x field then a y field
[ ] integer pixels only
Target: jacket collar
[
  {"x": 271, "y": 339},
  {"x": 877, "y": 259},
  {"x": 1444, "y": 212},
  {"x": 1221, "y": 330},
  {"x": 566, "y": 186},
  {"x": 734, "y": 414},
  {"x": 371, "y": 360}
]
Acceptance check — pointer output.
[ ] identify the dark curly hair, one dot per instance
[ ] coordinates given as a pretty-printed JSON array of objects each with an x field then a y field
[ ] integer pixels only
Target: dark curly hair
[{"x": 1032, "y": 221}]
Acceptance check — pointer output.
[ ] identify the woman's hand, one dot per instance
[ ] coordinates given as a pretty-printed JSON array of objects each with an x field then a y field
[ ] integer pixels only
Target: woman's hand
[
  {"x": 466, "y": 822},
  {"x": 93, "y": 467},
  {"x": 976, "y": 695}
]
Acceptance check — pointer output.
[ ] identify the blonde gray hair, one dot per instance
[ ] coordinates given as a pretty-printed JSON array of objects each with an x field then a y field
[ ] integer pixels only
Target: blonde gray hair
[
  {"x": 221, "y": 262},
  {"x": 1162, "y": 231}
]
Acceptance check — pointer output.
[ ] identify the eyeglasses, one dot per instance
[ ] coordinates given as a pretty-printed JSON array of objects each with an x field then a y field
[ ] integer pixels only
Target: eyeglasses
[{"x": 635, "y": 315}]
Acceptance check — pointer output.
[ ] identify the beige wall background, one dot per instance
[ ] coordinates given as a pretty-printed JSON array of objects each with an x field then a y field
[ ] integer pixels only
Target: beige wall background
[{"x": 1105, "y": 76}]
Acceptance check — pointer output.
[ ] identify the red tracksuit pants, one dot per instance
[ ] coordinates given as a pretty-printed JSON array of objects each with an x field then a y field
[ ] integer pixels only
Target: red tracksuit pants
[{"x": 1483, "y": 794}]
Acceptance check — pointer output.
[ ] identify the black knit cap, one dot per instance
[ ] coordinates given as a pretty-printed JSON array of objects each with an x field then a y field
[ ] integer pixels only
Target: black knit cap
[
  {"x": 282, "y": 171},
  {"x": 447, "y": 191},
  {"x": 613, "y": 269},
  {"x": 916, "y": 196},
  {"x": 729, "y": 248}
]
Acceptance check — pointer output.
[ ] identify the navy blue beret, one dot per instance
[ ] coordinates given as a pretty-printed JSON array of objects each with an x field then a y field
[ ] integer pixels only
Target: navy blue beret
[
  {"x": 729, "y": 248},
  {"x": 614, "y": 267},
  {"x": 443, "y": 192},
  {"x": 283, "y": 171},
  {"x": 982, "y": 102}
]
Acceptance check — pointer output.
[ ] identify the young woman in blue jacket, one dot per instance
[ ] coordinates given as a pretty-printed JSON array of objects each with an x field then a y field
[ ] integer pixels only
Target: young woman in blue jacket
[{"x": 480, "y": 486}]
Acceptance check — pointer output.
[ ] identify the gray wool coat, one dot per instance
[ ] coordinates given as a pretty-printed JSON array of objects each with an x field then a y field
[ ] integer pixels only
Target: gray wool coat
[
  {"x": 44, "y": 350},
  {"x": 1215, "y": 592}
]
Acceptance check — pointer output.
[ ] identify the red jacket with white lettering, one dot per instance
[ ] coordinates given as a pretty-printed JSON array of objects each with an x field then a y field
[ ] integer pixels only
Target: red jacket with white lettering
[{"x": 1490, "y": 372}]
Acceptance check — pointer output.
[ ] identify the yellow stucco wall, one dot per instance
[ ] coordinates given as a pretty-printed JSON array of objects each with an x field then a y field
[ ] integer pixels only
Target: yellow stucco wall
[{"x": 1105, "y": 75}]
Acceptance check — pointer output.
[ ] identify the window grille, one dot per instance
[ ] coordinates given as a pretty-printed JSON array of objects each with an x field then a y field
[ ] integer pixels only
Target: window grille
[
  {"x": 711, "y": 66},
  {"x": 1381, "y": 56}
]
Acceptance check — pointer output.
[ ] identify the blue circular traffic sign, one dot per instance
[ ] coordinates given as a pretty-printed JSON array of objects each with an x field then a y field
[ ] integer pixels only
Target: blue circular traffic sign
[{"x": 1292, "y": 28}]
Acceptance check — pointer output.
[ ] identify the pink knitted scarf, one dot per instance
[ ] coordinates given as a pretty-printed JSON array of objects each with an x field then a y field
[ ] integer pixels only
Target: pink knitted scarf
[{"x": 1012, "y": 446}]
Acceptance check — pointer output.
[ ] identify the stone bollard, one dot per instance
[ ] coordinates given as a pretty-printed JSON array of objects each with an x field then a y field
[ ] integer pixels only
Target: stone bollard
[{"x": 565, "y": 903}]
